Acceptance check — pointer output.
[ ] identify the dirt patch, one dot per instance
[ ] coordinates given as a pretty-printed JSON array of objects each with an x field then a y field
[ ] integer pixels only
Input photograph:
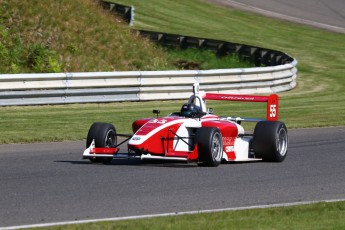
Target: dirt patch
[{"x": 187, "y": 65}]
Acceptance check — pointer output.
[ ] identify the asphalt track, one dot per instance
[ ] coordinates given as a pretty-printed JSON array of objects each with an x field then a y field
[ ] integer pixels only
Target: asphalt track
[
  {"x": 48, "y": 182},
  {"x": 325, "y": 14}
]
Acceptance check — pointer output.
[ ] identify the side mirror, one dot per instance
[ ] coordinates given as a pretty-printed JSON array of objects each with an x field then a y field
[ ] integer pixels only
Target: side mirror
[
  {"x": 210, "y": 111},
  {"x": 156, "y": 111}
]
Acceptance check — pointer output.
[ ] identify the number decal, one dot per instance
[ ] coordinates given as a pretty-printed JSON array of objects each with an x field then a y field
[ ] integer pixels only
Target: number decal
[
  {"x": 162, "y": 121},
  {"x": 273, "y": 110}
]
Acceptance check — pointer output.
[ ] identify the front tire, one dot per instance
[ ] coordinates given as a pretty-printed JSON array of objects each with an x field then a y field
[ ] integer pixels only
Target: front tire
[
  {"x": 104, "y": 135},
  {"x": 270, "y": 141},
  {"x": 210, "y": 146}
]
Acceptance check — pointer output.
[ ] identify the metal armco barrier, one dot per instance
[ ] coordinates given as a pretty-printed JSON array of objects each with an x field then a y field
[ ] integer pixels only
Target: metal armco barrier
[
  {"x": 62, "y": 88},
  {"x": 126, "y": 12},
  {"x": 279, "y": 74},
  {"x": 257, "y": 55}
]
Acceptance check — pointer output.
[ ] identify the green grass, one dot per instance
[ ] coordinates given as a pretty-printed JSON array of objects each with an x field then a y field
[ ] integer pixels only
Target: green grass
[
  {"x": 313, "y": 216},
  {"x": 69, "y": 122},
  {"x": 204, "y": 59},
  {"x": 70, "y": 36}
]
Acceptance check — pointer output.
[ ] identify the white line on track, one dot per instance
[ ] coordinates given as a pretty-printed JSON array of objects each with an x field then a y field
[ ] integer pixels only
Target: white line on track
[{"x": 167, "y": 214}]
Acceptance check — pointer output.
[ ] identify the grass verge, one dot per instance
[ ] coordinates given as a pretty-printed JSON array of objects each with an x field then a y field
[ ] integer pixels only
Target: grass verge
[{"x": 312, "y": 216}]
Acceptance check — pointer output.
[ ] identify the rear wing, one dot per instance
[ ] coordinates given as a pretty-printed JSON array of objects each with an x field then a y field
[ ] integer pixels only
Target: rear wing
[{"x": 271, "y": 100}]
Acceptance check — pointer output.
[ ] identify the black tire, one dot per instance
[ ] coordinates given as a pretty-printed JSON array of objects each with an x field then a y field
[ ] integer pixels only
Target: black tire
[
  {"x": 210, "y": 146},
  {"x": 270, "y": 141},
  {"x": 104, "y": 135}
]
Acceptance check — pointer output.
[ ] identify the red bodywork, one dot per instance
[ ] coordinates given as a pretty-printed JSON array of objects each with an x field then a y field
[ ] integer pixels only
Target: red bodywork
[{"x": 162, "y": 135}]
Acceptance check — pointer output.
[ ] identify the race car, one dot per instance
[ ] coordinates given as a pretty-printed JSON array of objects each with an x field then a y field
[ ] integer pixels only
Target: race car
[{"x": 195, "y": 134}]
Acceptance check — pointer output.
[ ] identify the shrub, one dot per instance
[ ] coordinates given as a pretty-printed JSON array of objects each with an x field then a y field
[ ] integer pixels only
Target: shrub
[{"x": 41, "y": 59}]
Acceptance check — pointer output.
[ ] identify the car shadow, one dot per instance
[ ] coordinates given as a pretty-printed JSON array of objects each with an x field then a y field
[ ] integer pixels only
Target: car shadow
[
  {"x": 134, "y": 162},
  {"x": 151, "y": 163},
  {"x": 240, "y": 162}
]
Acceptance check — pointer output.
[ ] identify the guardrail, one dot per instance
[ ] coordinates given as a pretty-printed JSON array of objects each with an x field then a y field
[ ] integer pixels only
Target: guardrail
[
  {"x": 61, "y": 88},
  {"x": 257, "y": 55},
  {"x": 279, "y": 74}
]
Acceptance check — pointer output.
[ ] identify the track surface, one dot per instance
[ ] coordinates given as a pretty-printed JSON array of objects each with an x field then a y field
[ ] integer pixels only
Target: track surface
[
  {"x": 49, "y": 182},
  {"x": 326, "y": 14}
]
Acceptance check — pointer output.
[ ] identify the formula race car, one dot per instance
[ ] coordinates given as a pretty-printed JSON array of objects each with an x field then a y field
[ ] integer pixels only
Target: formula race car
[{"x": 195, "y": 134}]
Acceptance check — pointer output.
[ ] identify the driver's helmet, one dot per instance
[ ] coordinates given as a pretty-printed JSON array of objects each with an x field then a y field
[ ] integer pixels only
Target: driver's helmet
[{"x": 190, "y": 110}]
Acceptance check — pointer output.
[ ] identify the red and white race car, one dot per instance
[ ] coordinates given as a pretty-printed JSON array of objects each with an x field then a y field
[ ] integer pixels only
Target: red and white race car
[{"x": 195, "y": 134}]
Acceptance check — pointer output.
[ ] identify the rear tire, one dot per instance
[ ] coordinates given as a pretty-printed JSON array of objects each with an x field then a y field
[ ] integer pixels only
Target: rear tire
[
  {"x": 104, "y": 135},
  {"x": 210, "y": 146},
  {"x": 270, "y": 141}
]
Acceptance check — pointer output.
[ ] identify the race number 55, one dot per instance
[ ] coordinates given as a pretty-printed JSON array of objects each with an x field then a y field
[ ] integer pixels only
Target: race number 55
[{"x": 273, "y": 111}]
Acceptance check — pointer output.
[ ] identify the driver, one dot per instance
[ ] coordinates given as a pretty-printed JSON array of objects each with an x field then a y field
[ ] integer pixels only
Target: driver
[{"x": 190, "y": 110}]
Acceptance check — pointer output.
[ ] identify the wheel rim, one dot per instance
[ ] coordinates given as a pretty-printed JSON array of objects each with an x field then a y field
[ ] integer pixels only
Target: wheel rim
[
  {"x": 282, "y": 142},
  {"x": 216, "y": 147},
  {"x": 110, "y": 139}
]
